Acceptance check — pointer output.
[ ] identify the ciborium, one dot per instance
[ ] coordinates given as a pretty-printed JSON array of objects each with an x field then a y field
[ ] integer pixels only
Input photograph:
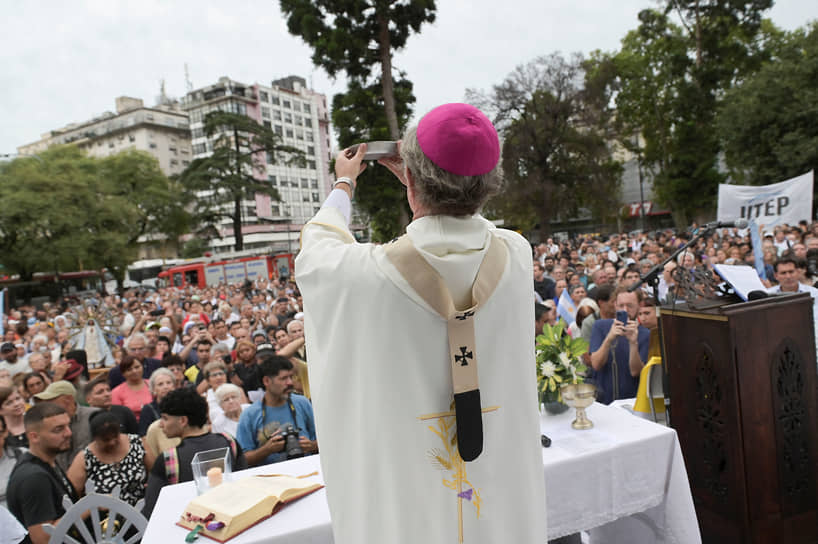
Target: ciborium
[{"x": 579, "y": 396}]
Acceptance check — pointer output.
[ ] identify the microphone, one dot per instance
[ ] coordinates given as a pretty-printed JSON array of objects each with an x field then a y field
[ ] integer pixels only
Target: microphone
[{"x": 737, "y": 224}]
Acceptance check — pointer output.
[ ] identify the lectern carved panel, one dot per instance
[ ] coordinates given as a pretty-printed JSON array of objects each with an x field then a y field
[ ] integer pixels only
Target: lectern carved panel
[
  {"x": 795, "y": 469},
  {"x": 710, "y": 419}
]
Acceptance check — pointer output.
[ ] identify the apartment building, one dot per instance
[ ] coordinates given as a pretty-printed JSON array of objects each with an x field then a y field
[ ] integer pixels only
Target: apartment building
[
  {"x": 161, "y": 130},
  {"x": 300, "y": 117}
]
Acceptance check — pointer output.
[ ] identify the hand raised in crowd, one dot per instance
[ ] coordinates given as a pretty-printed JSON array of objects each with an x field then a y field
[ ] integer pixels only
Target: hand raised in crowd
[{"x": 631, "y": 331}]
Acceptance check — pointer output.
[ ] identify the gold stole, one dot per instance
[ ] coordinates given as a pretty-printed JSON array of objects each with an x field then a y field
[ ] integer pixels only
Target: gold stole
[{"x": 427, "y": 283}]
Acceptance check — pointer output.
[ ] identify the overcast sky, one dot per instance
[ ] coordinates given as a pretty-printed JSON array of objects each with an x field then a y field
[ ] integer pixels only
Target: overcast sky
[{"x": 63, "y": 62}]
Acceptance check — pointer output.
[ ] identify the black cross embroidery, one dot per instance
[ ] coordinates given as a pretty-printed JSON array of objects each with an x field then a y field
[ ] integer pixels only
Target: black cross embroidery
[
  {"x": 464, "y": 354},
  {"x": 464, "y": 316}
]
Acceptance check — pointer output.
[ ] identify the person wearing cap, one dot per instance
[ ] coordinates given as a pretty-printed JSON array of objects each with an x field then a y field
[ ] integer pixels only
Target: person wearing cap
[
  {"x": 435, "y": 329},
  {"x": 11, "y": 361},
  {"x": 64, "y": 395}
]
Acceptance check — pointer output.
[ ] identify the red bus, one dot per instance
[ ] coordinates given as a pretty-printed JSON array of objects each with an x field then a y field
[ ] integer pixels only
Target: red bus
[{"x": 211, "y": 273}]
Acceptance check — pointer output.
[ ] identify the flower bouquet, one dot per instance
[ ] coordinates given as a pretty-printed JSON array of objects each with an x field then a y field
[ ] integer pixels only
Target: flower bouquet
[{"x": 558, "y": 362}]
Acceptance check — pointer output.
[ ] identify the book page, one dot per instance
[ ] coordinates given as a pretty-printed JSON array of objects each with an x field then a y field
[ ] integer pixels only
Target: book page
[
  {"x": 233, "y": 498},
  {"x": 742, "y": 279}
]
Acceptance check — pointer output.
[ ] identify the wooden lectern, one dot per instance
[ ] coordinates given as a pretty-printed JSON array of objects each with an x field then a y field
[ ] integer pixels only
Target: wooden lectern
[{"x": 743, "y": 398}]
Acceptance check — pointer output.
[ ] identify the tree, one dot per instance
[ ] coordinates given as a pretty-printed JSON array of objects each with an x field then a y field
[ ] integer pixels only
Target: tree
[
  {"x": 342, "y": 35},
  {"x": 554, "y": 121},
  {"x": 671, "y": 80},
  {"x": 358, "y": 115},
  {"x": 235, "y": 171},
  {"x": 65, "y": 211},
  {"x": 139, "y": 202},
  {"x": 769, "y": 123}
]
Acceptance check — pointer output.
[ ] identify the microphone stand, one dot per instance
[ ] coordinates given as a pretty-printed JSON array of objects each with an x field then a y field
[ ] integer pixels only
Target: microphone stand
[{"x": 652, "y": 279}]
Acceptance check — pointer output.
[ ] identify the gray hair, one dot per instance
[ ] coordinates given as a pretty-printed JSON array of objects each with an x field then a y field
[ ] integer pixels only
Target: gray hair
[
  {"x": 221, "y": 347},
  {"x": 227, "y": 389},
  {"x": 136, "y": 336},
  {"x": 159, "y": 372},
  {"x": 443, "y": 192}
]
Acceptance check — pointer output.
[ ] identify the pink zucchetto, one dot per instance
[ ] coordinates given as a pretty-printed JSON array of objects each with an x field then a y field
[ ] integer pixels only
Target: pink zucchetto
[{"x": 460, "y": 139}]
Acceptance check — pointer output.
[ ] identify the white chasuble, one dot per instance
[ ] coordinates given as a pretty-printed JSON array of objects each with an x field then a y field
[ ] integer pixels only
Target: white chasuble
[{"x": 382, "y": 388}]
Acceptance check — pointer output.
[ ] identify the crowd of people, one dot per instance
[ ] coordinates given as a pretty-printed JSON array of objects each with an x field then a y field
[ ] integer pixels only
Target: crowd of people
[
  {"x": 598, "y": 273},
  {"x": 198, "y": 369},
  {"x": 189, "y": 370}
]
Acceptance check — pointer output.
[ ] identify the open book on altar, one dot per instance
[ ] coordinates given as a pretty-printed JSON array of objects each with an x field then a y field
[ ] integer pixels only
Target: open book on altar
[{"x": 233, "y": 507}]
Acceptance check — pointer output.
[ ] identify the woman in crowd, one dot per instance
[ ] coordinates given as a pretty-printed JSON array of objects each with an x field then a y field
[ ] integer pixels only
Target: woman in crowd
[
  {"x": 33, "y": 383},
  {"x": 230, "y": 399},
  {"x": 112, "y": 459},
  {"x": 8, "y": 458},
  {"x": 577, "y": 293},
  {"x": 12, "y": 410},
  {"x": 215, "y": 374},
  {"x": 161, "y": 381},
  {"x": 134, "y": 392}
]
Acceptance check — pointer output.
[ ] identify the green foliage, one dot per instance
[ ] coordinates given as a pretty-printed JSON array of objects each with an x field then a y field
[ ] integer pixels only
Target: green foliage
[
  {"x": 359, "y": 116},
  {"x": 341, "y": 33},
  {"x": 65, "y": 211},
  {"x": 235, "y": 170},
  {"x": 558, "y": 360},
  {"x": 195, "y": 247},
  {"x": 671, "y": 79},
  {"x": 769, "y": 124},
  {"x": 555, "y": 123}
]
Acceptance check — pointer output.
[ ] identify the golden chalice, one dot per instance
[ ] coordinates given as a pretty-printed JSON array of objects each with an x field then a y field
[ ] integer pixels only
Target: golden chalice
[{"x": 579, "y": 396}]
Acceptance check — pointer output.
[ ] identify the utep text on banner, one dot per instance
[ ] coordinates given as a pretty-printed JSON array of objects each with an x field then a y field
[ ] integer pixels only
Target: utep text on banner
[{"x": 769, "y": 205}]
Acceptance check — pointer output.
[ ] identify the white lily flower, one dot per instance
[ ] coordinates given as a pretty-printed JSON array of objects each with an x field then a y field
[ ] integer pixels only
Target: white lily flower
[{"x": 548, "y": 369}]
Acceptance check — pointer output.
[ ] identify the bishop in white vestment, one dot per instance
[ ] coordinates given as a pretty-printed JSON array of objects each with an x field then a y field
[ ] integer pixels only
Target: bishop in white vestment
[{"x": 397, "y": 333}]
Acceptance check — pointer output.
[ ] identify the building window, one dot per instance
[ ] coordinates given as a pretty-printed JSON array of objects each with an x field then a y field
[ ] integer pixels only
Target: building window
[
  {"x": 172, "y": 150},
  {"x": 289, "y": 133},
  {"x": 274, "y": 100},
  {"x": 310, "y": 150},
  {"x": 306, "y": 108},
  {"x": 309, "y": 135},
  {"x": 298, "y": 120},
  {"x": 111, "y": 145},
  {"x": 198, "y": 149},
  {"x": 174, "y": 162},
  {"x": 278, "y": 130},
  {"x": 314, "y": 184},
  {"x": 152, "y": 145},
  {"x": 131, "y": 138},
  {"x": 267, "y": 124},
  {"x": 263, "y": 96},
  {"x": 272, "y": 180},
  {"x": 185, "y": 163},
  {"x": 277, "y": 115},
  {"x": 286, "y": 103},
  {"x": 305, "y": 183},
  {"x": 296, "y": 105},
  {"x": 311, "y": 165},
  {"x": 299, "y": 134},
  {"x": 265, "y": 112},
  {"x": 185, "y": 151},
  {"x": 305, "y": 198},
  {"x": 288, "y": 118},
  {"x": 315, "y": 197}
]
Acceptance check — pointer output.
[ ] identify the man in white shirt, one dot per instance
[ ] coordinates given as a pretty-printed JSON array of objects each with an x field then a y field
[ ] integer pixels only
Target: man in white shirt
[{"x": 786, "y": 275}]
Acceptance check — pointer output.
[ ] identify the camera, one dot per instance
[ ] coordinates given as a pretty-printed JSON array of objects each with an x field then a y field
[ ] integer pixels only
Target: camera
[{"x": 291, "y": 446}]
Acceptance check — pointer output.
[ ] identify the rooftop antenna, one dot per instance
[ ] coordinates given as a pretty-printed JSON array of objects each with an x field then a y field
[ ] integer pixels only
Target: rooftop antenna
[
  {"x": 188, "y": 83},
  {"x": 163, "y": 97}
]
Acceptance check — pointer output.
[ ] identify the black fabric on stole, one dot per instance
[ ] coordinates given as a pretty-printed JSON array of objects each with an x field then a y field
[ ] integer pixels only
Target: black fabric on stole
[{"x": 469, "y": 419}]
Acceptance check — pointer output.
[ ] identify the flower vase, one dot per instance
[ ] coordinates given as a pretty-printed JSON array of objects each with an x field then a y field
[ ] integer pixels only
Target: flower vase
[{"x": 552, "y": 405}]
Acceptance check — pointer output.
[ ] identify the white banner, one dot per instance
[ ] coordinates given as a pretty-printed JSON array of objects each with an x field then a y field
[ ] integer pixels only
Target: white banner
[{"x": 769, "y": 205}]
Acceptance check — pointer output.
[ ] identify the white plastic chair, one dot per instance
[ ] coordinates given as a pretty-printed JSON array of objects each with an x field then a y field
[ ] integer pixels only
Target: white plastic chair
[{"x": 111, "y": 507}]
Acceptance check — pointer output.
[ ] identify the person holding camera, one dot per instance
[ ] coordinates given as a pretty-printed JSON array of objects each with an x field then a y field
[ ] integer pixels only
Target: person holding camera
[
  {"x": 421, "y": 368},
  {"x": 619, "y": 349},
  {"x": 281, "y": 425}
]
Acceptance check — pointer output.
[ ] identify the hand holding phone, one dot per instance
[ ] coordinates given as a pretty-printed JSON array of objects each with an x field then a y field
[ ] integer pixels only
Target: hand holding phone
[{"x": 622, "y": 316}]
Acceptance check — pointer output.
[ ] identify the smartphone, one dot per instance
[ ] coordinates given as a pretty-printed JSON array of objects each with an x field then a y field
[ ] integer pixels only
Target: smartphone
[
  {"x": 622, "y": 315},
  {"x": 157, "y": 312},
  {"x": 375, "y": 150}
]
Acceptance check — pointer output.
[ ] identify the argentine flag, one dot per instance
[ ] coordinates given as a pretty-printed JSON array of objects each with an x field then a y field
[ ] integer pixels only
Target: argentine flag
[{"x": 566, "y": 308}]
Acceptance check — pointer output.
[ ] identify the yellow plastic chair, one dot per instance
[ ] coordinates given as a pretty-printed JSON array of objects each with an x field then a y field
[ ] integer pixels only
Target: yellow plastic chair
[{"x": 650, "y": 398}]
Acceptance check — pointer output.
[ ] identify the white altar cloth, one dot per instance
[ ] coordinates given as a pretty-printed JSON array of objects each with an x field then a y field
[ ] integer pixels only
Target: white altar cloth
[{"x": 624, "y": 481}]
